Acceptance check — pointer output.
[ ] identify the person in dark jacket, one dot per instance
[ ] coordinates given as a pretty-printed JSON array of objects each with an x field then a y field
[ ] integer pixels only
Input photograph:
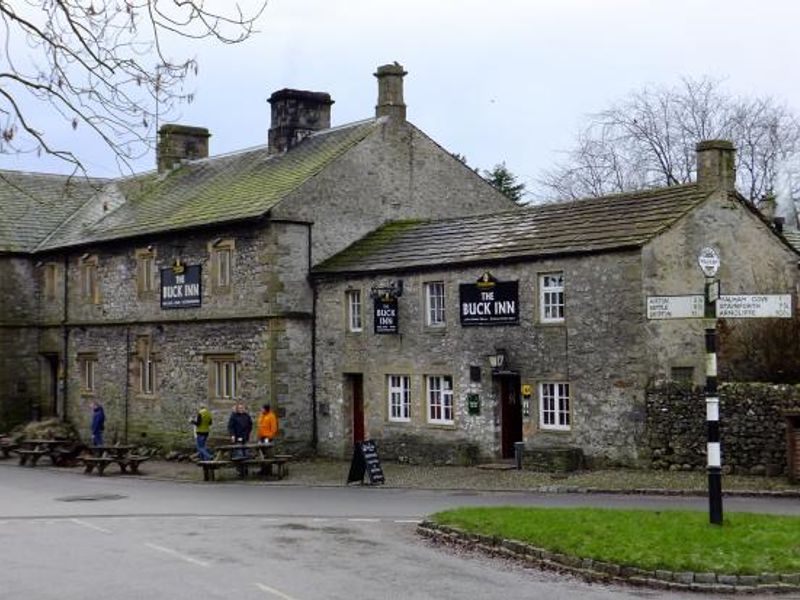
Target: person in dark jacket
[
  {"x": 98, "y": 424},
  {"x": 240, "y": 425}
]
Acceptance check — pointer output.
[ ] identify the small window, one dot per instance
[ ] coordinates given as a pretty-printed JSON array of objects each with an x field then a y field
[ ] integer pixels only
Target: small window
[
  {"x": 49, "y": 275},
  {"x": 87, "y": 364},
  {"x": 354, "y": 310},
  {"x": 222, "y": 265},
  {"x": 554, "y": 409},
  {"x": 440, "y": 399},
  {"x": 551, "y": 297},
  {"x": 682, "y": 374},
  {"x": 434, "y": 303},
  {"x": 145, "y": 270},
  {"x": 223, "y": 377},
  {"x": 88, "y": 278},
  {"x": 146, "y": 366},
  {"x": 399, "y": 397}
]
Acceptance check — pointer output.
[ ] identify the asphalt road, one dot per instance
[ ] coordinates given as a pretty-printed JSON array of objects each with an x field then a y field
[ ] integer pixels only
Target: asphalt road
[{"x": 67, "y": 536}]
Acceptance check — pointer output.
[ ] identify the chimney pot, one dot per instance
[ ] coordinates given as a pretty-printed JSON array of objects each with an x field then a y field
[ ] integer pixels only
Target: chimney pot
[
  {"x": 390, "y": 91},
  {"x": 180, "y": 142},
  {"x": 296, "y": 114},
  {"x": 716, "y": 166}
]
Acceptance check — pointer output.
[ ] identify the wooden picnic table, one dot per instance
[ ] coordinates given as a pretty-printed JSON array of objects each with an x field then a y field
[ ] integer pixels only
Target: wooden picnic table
[
  {"x": 99, "y": 457},
  {"x": 59, "y": 451},
  {"x": 244, "y": 456},
  {"x": 7, "y": 445}
]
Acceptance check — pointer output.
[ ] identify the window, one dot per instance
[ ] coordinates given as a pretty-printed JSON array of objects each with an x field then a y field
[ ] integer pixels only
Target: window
[
  {"x": 222, "y": 372},
  {"x": 554, "y": 406},
  {"x": 434, "y": 303},
  {"x": 88, "y": 267},
  {"x": 50, "y": 282},
  {"x": 551, "y": 297},
  {"x": 146, "y": 366},
  {"x": 354, "y": 310},
  {"x": 399, "y": 398},
  {"x": 222, "y": 265},
  {"x": 682, "y": 374},
  {"x": 145, "y": 269},
  {"x": 87, "y": 364},
  {"x": 440, "y": 399}
]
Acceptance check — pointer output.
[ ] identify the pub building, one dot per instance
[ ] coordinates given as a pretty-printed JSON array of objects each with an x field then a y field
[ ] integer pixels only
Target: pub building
[{"x": 531, "y": 325}]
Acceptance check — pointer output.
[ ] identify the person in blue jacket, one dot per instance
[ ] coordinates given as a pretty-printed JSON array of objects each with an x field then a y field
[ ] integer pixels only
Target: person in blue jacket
[{"x": 98, "y": 424}]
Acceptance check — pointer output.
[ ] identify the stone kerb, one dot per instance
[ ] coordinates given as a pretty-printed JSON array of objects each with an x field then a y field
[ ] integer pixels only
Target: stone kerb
[{"x": 599, "y": 571}]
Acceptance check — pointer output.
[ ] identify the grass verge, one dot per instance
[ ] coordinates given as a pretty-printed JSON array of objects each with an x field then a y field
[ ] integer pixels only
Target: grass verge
[{"x": 746, "y": 544}]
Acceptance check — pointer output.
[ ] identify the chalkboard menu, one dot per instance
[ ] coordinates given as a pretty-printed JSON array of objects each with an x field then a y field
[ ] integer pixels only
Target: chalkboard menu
[{"x": 366, "y": 461}]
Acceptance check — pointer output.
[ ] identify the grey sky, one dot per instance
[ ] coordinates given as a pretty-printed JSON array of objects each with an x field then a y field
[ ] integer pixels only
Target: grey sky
[{"x": 507, "y": 80}]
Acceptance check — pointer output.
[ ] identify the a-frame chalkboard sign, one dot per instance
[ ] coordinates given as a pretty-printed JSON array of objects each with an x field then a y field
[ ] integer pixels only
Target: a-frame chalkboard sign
[{"x": 366, "y": 461}]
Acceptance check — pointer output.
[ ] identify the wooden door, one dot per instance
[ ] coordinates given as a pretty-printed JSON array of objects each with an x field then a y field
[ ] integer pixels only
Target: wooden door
[
  {"x": 356, "y": 381},
  {"x": 510, "y": 414}
]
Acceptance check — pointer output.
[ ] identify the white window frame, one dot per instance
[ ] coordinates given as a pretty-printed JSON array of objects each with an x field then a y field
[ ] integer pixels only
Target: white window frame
[
  {"x": 147, "y": 375},
  {"x": 555, "y": 406},
  {"x": 439, "y": 399},
  {"x": 354, "y": 316},
  {"x": 225, "y": 379},
  {"x": 435, "y": 304},
  {"x": 399, "y": 397},
  {"x": 551, "y": 297}
]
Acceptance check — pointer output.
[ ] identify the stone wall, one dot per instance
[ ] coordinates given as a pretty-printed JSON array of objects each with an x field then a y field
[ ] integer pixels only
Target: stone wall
[{"x": 752, "y": 427}]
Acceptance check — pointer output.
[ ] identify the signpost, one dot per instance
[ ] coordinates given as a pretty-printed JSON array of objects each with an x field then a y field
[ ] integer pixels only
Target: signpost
[{"x": 710, "y": 307}]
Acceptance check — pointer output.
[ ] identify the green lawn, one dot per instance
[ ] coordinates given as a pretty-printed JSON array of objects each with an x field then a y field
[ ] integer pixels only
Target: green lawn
[{"x": 746, "y": 544}]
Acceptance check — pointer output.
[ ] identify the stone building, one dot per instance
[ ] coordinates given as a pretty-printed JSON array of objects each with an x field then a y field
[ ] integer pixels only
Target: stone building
[
  {"x": 453, "y": 339},
  {"x": 154, "y": 292}
]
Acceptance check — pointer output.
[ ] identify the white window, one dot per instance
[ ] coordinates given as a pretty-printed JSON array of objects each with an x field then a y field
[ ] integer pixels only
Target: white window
[
  {"x": 554, "y": 406},
  {"x": 147, "y": 374},
  {"x": 224, "y": 379},
  {"x": 399, "y": 398},
  {"x": 440, "y": 399},
  {"x": 434, "y": 303},
  {"x": 87, "y": 365},
  {"x": 354, "y": 310},
  {"x": 551, "y": 297}
]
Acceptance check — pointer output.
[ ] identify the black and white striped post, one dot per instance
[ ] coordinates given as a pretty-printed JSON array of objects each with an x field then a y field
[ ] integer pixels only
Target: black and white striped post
[{"x": 709, "y": 263}]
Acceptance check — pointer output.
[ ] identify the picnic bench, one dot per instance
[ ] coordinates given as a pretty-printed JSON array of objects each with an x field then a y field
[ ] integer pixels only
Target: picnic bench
[
  {"x": 7, "y": 445},
  {"x": 99, "y": 457},
  {"x": 244, "y": 456},
  {"x": 60, "y": 452}
]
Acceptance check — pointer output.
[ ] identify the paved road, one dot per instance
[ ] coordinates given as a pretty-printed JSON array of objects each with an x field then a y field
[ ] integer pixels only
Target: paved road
[{"x": 65, "y": 536}]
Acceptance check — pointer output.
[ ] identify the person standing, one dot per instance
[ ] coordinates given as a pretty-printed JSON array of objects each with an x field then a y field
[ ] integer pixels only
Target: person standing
[
  {"x": 267, "y": 425},
  {"x": 240, "y": 424},
  {"x": 98, "y": 423},
  {"x": 202, "y": 427}
]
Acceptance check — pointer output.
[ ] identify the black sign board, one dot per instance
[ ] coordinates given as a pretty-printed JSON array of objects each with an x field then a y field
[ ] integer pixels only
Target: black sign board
[
  {"x": 386, "y": 318},
  {"x": 489, "y": 302},
  {"x": 180, "y": 286},
  {"x": 366, "y": 461}
]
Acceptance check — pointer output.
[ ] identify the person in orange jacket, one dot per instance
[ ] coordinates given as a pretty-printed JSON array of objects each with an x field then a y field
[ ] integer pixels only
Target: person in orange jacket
[{"x": 267, "y": 425}]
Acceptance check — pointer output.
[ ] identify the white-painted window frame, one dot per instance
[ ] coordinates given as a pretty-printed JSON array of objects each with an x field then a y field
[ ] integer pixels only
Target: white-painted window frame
[{"x": 555, "y": 406}]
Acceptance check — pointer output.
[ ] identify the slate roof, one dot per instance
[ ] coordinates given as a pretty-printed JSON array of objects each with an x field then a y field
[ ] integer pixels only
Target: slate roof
[
  {"x": 219, "y": 189},
  {"x": 32, "y": 205},
  {"x": 793, "y": 237},
  {"x": 582, "y": 226}
]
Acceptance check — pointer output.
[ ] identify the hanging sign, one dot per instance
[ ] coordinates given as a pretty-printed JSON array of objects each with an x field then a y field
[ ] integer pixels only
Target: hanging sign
[
  {"x": 489, "y": 302},
  {"x": 180, "y": 286},
  {"x": 386, "y": 314}
]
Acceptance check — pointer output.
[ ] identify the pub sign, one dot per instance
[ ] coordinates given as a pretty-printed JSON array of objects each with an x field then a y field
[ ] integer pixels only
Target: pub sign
[
  {"x": 386, "y": 317},
  {"x": 180, "y": 286},
  {"x": 489, "y": 302}
]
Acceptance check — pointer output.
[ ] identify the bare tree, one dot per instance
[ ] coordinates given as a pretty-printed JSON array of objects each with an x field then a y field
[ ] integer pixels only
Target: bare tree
[
  {"x": 648, "y": 140},
  {"x": 103, "y": 65}
]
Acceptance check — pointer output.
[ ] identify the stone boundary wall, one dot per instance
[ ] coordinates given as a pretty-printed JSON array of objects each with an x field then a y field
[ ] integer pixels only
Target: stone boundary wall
[
  {"x": 752, "y": 427},
  {"x": 598, "y": 571}
]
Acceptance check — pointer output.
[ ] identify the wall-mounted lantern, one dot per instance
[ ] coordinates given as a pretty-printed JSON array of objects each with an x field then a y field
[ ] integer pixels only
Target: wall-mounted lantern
[{"x": 498, "y": 360}]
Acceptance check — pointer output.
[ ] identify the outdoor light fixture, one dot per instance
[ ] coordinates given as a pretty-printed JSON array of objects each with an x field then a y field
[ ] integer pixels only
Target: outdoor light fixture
[
  {"x": 498, "y": 360},
  {"x": 393, "y": 289}
]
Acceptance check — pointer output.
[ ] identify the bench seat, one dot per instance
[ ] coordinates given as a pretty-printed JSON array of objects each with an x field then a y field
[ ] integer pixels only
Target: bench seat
[
  {"x": 210, "y": 467},
  {"x": 6, "y": 448},
  {"x": 266, "y": 465},
  {"x": 34, "y": 455},
  {"x": 131, "y": 461},
  {"x": 99, "y": 462}
]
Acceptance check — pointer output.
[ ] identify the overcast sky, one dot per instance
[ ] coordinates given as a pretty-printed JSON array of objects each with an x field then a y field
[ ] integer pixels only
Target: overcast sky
[{"x": 506, "y": 80}]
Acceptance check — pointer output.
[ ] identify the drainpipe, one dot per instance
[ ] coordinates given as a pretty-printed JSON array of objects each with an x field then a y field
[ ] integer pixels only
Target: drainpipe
[
  {"x": 65, "y": 335},
  {"x": 314, "y": 424},
  {"x": 127, "y": 384}
]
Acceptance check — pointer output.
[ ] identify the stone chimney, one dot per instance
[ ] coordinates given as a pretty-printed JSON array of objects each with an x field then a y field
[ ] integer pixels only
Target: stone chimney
[
  {"x": 390, "y": 92},
  {"x": 716, "y": 166},
  {"x": 296, "y": 114},
  {"x": 180, "y": 142}
]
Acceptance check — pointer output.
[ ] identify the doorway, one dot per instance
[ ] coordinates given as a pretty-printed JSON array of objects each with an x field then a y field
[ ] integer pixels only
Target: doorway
[
  {"x": 510, "y": 414},
  {"x": 354, "y": 384}
]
